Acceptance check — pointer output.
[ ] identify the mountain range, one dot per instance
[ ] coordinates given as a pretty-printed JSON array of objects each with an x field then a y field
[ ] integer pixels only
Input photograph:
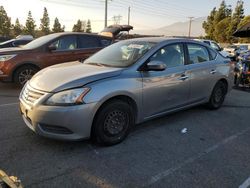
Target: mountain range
[{"x": 177, "y": 29}]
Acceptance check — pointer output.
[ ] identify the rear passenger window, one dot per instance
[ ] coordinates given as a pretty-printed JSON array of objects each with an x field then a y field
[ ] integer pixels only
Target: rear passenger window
[
  {"x": 213, "y": 54},
  {"x": 197, "y": 53},
  {"x": 105, "y": 42},
  {"x": 89, "y": 42},
  {"x": 65, "y": 43}
]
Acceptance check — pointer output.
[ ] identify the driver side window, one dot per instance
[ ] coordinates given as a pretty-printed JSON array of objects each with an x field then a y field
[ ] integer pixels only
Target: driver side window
[
  {"x": 65, "y": 43},
  {"x": 171, "y": 55}
]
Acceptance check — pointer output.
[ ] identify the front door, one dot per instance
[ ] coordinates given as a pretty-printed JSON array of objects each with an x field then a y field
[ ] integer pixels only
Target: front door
[
  {"x": 168, "y": 89},
  {"x": 65, "y": 51}
]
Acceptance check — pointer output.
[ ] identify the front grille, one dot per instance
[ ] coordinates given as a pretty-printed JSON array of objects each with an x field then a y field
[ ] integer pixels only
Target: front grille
[{"x": 31, "y": 95}]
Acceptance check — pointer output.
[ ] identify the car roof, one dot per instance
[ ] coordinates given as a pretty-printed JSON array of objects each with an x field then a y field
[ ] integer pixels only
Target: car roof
[
  {"x": 76, "y": 33},
  {"x": 164, "y": 39}
]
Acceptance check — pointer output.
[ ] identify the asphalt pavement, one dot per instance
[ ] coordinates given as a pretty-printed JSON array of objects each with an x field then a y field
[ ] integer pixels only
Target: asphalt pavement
[{"x": 214, "y": 152}]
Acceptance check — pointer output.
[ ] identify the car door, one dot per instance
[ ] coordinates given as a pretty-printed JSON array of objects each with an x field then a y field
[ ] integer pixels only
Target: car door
[
  {"x": 60, "y": 50},
  {"x": 201, "y": 71},
  {"x": 168, "y": 89}
]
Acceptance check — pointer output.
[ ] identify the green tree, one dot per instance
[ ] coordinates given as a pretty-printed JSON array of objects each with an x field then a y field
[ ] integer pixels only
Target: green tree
[
  {"x": 5, "y": 23},
  {"x": 237, "y": 16},
  {"x": 221, "y": 30},
  {"x": 30, "y": 25},
  {"x": 57, "y": 26},
  {"x": 78, "y": 27},
  {"x": 17, "y": 28},
  {"x": 45, "y": 21},
  {"x": 215, "y": 26},
  {"x": 222, "y": 12},
  {"x": 209, "y": 24},
  {"x": 88, "y": 27}
]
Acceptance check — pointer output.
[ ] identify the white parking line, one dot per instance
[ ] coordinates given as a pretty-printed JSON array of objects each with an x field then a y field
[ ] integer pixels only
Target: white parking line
[
  {"x": 9, "y": 104},
  {"x": 246, "y": 184},
  {"x": 170, "y": 171}
]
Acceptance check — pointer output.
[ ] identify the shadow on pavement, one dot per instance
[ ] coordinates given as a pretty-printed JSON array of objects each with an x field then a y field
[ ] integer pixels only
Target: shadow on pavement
[
  {"x": 246, "y": 89},
  {"x": 9, "y": 90}
]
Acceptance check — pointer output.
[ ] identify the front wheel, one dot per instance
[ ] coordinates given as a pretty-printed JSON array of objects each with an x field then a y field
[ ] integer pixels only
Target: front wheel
[
  {"x": 218, "y": 95},
  {"x": 23, "y": 74},
  {"x": 113, "y": 123}
]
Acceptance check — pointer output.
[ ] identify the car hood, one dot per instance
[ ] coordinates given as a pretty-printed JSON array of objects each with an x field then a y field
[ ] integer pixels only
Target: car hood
[
  {"x": 70, "y": 75},
  {"x": 15, "y": 50}
]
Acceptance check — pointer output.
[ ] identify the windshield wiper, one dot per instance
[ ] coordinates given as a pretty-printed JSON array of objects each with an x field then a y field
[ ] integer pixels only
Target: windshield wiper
[{"x": 97, "y": 64}]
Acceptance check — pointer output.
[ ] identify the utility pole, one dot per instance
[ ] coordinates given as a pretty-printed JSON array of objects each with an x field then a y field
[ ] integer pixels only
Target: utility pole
[
  {"x": 190, "y": 25},
  {"x": 128, "y": 15},
  {"x": 117, "y": 19},
  {"x": 106, "y": 13}
]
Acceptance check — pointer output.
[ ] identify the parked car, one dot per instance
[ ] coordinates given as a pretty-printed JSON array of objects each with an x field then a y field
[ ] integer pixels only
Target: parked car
[
  {"x": 20, "y": 64},
  {"x": 128, "y": 82},
  {"x": 242, "y": 49},
  {"x": 215, "y": 46},
  {"x": 231, "y": 49},
  {"x": 17, "y": 42},
  {"x": 2, "y": 38},
  {"x": 119, "y": 32}
]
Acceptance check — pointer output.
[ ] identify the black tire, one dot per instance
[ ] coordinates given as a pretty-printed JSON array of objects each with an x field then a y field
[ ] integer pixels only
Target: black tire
[
  {"x": 237, "y": 81},
  {"x": 24, "y": 73},
  {"x": 113, "y": 123},
  {"x": 218, "y": 96},
  {"x": 3, "y": 185}
]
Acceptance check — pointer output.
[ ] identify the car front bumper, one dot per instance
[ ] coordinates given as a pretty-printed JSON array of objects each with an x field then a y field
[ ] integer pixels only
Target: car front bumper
[{"x": 56, "y": 122}]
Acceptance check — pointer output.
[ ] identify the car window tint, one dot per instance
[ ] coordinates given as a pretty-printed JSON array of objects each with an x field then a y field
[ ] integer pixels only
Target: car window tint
[
  {"x": 89, "y": 42},
  {"x": 215, "y": 46},
  {"x": 171, "y": 55},
  {"x": 213, "y": 54},
  {"x": 207, "y": 42},
  {"x": 105, "y": 42},
  {"x": 65, "y": 43},
  {"x": 197, "y": 53},
  {"x": 20, "y": 42}
]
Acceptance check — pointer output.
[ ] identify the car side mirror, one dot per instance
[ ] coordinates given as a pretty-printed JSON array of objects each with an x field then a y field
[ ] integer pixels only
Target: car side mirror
[
  {"x": 51, "y": 48},
  {"x": 156, "y": 66}
]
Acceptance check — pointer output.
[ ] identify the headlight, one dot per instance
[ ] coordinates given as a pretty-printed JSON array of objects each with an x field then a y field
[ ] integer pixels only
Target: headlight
[
  {"x": 6, "y": 57},
  {"x": 67, "y": 98}
]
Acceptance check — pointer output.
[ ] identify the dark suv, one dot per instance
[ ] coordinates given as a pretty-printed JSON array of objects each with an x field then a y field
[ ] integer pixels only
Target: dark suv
[
  {"x": 17, "y": 42},
  {"x": 20, "y": 64}
]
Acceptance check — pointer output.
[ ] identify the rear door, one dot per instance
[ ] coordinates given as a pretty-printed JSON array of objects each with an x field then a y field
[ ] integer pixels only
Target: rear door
[
  {"x": 201, "y": 71},
  {"x": 90, "y": 44}
]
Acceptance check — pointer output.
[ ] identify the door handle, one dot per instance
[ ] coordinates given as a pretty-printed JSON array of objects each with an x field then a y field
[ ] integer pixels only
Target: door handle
[
  {"x": 183, "y": 77},
  {"x": 213, "y": 71}
]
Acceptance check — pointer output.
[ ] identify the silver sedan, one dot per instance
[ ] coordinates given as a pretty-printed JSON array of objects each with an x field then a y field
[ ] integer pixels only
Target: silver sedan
[{"x": 124, "y": 84}]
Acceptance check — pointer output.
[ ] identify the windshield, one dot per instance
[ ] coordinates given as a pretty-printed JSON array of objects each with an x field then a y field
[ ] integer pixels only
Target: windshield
[
  {"x": 8, "y": 41},
  {"x": 39, "y": 41},
  {"x": 121, "y": 54}
]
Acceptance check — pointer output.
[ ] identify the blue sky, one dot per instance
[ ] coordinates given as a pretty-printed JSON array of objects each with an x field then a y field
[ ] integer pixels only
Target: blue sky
[{"x": 145, "y": 14}]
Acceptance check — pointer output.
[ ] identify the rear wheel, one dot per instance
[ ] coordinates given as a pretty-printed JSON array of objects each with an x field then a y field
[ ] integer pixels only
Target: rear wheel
[
  {"x": 113, "y": 123},
  {"x": 218, "y": 95},
  {"x": 24, "y": 73}
]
